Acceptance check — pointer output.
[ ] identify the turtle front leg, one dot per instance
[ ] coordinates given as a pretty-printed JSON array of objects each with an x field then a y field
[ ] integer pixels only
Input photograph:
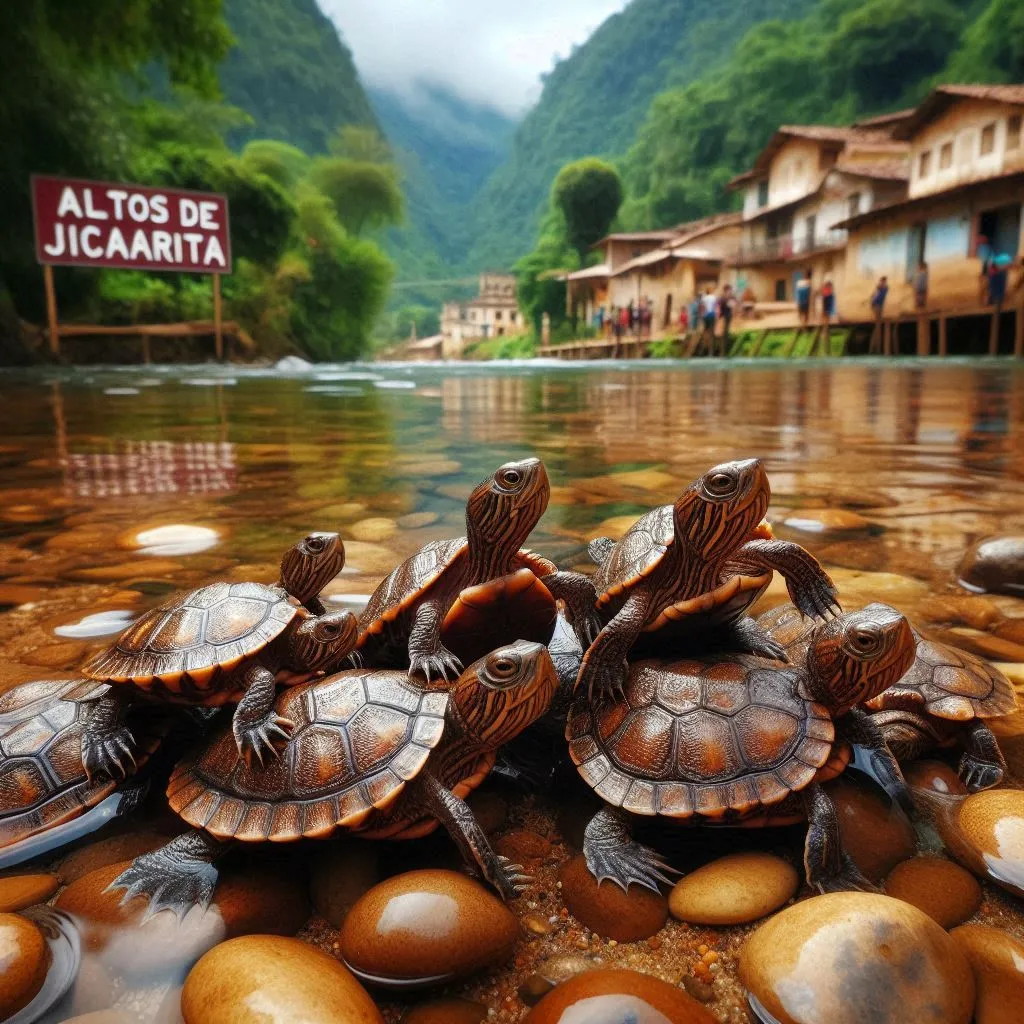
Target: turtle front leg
[
  {"x": 810, "y": 587},
  {"x": 580, "y": 597},
  {"x": 748, "y": 635},
  {"x": 858, "y": 728},
  {"x": 255, "y": 723},
  {"x": 108, "y": 746},
  {"x": 982, "y": 765},
  {"x": 176, "y": 877},
  {"x": 603, "y": 670},
  {"x": 611, "y": 852},
  {"x": 457, "y": 817},
  {"x": 828, "y": 867},
  {"x": 427, "y": 655}
]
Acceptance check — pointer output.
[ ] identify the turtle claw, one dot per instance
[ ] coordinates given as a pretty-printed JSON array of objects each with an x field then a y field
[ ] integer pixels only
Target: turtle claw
[
  {"x": 442, "y": 664},
  {"x": 977, "y": 774},
  {"x": 109, "y": 752},
  {"x": 255, "y": 741},
  {"x": 848, "y": 878},
  {"x": 176, "y": 887},
  {"x": 628, "y": 863},
  {"x": 818, "y": 600},
  {"x": 354, "y": 660},
  {"x": 604, "y": 683},
  {"x": 511, "y": 880}
]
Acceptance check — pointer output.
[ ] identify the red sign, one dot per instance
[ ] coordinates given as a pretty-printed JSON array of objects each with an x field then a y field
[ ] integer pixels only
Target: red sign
[{"x": 101, "y": 224}]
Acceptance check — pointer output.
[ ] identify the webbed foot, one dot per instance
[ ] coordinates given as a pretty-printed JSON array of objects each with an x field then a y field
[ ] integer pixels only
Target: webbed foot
[
  {"x": 258, "y": 740},
  {"x": 978, "y": 774},
  {"x": 612, "y": 853},
  {"x": 848, "y": 877},
  {"x": 442, "y": 664},
  {"x": 816, "y": 597},
  {"x": 108, "y": 751}
]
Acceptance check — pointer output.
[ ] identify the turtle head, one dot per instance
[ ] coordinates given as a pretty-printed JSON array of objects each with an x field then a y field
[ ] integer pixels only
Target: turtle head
[
  {"x": 720, "y": 510},
  {"x": 857, "y": 655},
  {"x": 307, "y": 567},
  {"x": 503, "y": 510},
  {"x": 497, "y": 697},
  {"x": 321, "y": 642}
]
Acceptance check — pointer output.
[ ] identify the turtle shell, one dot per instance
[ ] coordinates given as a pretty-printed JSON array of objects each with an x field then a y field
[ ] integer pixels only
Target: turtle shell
[
  {"x": 949, "y": 683},
  {"x": 359, "y": 737},
  {"x": 42, "y": 779},
  {"x": 636, "y": 555},
  {"x": 715, "y": 738},
  {"x": 411, "y": 580},
  {"x": 189, "y": 643}
]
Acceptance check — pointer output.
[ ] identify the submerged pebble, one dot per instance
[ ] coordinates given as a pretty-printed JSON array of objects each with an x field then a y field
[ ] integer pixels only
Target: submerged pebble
[
  {"x": 826, "y": 521},
  {"x": 106, "y": 623},
  {"x": 260, "y": 978},
  {"x": 994, "y": 565},
  {"x": 735, "y": 889},
  {"x": 20, "y": 891},
  {"x": 373, "y": 530},
  {"x": 997, "y": 960},
  {"x": 853, "y": 958},
  {"x": 985, "y": 832},
  {"x": 934, "y": 777},
  {"x": 426, "y": 927},
  {"x": 943, "y": 890},
  {"x": 24, "y": 959},
  {"x": 613, "y": 997},
  {"x": 605, "y": 909}
]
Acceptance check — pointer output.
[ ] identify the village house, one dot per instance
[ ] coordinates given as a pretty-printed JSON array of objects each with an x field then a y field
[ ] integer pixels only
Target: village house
[
  {"x": 492, "y": 314},
  {"x": 963, "y": 202},
  {"x": 803, "y": 185}
]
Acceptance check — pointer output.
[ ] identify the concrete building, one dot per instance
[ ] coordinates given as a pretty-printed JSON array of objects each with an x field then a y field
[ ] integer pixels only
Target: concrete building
[
  {"x": 964, "y": 201},
  {"x": 492, "y": 314}
]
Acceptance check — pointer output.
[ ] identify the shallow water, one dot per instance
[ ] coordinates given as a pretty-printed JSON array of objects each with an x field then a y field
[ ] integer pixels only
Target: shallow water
[{"x": 121, "y": 485}]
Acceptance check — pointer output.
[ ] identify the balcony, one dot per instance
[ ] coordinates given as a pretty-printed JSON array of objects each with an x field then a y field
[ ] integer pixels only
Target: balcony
[{"x": 782, "y": 248}]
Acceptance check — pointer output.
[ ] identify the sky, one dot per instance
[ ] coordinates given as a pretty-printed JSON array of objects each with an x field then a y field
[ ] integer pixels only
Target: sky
[{"x": 490, "y": 51}]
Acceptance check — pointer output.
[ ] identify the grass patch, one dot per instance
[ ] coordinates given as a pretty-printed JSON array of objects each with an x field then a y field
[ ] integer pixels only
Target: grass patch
[{"x": 514, "y": 346}]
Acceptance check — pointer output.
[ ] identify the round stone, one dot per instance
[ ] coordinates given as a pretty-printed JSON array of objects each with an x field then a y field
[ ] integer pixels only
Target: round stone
[
  {"x": 874, "y": 832},
  {"x": 173, "y": 540},
  {"x": 943, "y": 890},
  {"x": 994, "y": 565},
  {"x": 735, "y": 889},
  {"x": 426, "y": 927},
  {"x": 615, "y": 997},
  {"x": 260, "y": 978},
  {"x": 417, "y": 520},
  {"x": 447, "y": 1011},
  {"x": 853, "y": 958},
  {"x": 24, "y": 959},
  {"x": 986, "y": 833},
  {"x": 997, "y": 960},
  {"x": 523, "y": 847},
  {"x": 20, "y": 891},
  {"x": 826, "y": 521},
  {"x": 373, "y": 530},
  {"x": 933, "y": 776},
  {"x": 605, "y": 909},
  {"x": 339, "y": 875}
]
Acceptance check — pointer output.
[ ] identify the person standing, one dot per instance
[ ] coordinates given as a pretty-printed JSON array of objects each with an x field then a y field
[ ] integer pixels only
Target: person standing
[
  {"x": 709, "y": 312},
  {"x": 998, "y": 274},
  {"x": 921, "y": 285},
  {"x": 878, "y": 297},
  {"x": 726, "y": 308},
  {"x": 828, "y": 300},
  {"x": 803, "y": 293}
]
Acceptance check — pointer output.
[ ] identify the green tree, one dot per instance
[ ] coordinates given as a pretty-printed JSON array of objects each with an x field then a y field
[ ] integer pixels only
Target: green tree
[
  {"x": 589, "y": 193},
  {"x": 993, "y": 47},
  {"x": 358, "y": 142},
  {"x": 285, "y": 164},
  {"x": 365, "y": 195}
]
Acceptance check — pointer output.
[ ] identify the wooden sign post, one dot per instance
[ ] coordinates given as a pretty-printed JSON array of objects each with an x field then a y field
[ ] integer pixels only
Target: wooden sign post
[
  {"x": 218, "y": 331},
  {"x": 51, "y": 309}
]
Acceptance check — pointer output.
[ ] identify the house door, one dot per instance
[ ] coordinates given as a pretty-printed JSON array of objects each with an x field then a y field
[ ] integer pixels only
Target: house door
[
  {"x": 809, "y": 232},
  {"x": 668, "y": 309},
  {"x": 915, "y": 248}
]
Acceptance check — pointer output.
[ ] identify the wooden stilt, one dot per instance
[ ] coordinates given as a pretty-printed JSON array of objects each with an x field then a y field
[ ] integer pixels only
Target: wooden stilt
[
  {"x": 218, "y": 334},
  {"x": 792, "y": 344},
  {"x": 51, "y": 310},
  {"x": 993, "y": 333},
  {"x": 943, "y": 337},
  {"x": 875, "y": 345},
  {"x": 145, "y": 349},
  {"x": 759, "y": 343},
  {"x": 924, "y": 340},
  {"x": 825, "y": 346}
]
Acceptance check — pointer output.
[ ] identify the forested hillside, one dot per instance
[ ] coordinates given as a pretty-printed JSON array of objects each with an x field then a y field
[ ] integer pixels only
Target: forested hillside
[
  {"x": 290, "y": 71},
  {"x": 595, "y": 101}
]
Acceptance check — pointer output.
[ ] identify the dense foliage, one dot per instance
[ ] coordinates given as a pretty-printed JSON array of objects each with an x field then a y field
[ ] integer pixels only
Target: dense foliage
[
  {"x": 74, "y": 100},
  {"x": 589, "y": 193}
]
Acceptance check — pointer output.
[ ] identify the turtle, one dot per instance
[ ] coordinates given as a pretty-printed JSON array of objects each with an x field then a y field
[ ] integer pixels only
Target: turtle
[
  {"x": 373, "y": 753},
  {"x": 46, "y": 791},
  {"x": 739, "y": 740},
  {"x": 689, "y": 571},
  {"x": 405, "y": 618},
  {"x": 944, "y": 699}
]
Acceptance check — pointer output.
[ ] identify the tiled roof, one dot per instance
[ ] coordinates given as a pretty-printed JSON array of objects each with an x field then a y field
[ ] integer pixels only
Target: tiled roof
[
  {"x": 942, "y": 96},
  {"x": 884, "y": 120},
  {"x": 661, "y": 235},
  {"x": 893, "y": 170}
]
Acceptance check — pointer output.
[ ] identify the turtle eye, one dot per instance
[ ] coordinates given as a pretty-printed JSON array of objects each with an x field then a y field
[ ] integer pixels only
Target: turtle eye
[
  {"x": 720, "y": 484},
  {"x": 865, "y": 641},
  {"x": 504, "y": 667},
  {"x": 315, "y": 543},
  {"x": 511, "y": 477}
]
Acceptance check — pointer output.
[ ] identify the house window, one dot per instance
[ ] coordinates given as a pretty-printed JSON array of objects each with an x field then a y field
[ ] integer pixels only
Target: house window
[
  {"x": 1013, "y": 132},
  {"x": 780, "y": 290},
  {"x": 988, "y": 139},
  {"x": 924, "y": 164},
  {"x": 853, "y": 204},
  {"x": 762, "y": 193},
  {"x": 472, "y": 314},
  {"x": 946, "y": 156},
  {"x": 512, "y": 317},
  {"x": 497, "y": 314}
]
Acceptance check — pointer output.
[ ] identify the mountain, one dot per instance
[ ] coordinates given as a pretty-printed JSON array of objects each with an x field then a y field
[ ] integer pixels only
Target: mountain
[
  {"x": 446, "y": 149},
  {"x": 594, "y": 102},
  {"x": 291, "y": 73}
]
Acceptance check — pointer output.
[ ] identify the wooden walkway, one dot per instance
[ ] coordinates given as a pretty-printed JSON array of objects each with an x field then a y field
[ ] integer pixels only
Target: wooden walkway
[{"x": 882, "y": 337}]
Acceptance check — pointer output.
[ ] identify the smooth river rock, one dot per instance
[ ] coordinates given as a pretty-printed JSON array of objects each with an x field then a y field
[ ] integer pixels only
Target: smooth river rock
[
  {"x": 735, "y": 889},
  {"x": 875, "y": 833},
  {"x": 943, "y": 890},
  {"x": 606, "y": 909},
  {"x": 856, "y": 958},
  {"x": 256, "y": 979},
  {"x": 20, "y": 891},
  {"x": 426, "y": 927},
  {"x": 997, "y": 960},
  {"x": 24, "y": 959},
  {"x": 826, "y": 521},
  {"x": 618, "y": 997},
  {"x": 985, "y": 832},
  {"x": 934, "y": 777},
  {"x": 994, "y": 565}
]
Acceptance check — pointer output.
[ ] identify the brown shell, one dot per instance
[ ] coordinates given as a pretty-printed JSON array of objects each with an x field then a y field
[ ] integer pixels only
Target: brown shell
[
  {"x": 636, "y": 555},
  {"x": 201, "y": 635},
  {"x": 711, "y": 738},
  {"x": 42, "y": 779},
  {"x": 949, "y": 683},
  {"x": 943, "y": 681},
  {"x": 513, "y": 607},
  {"x": 359, "y": 737}
]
